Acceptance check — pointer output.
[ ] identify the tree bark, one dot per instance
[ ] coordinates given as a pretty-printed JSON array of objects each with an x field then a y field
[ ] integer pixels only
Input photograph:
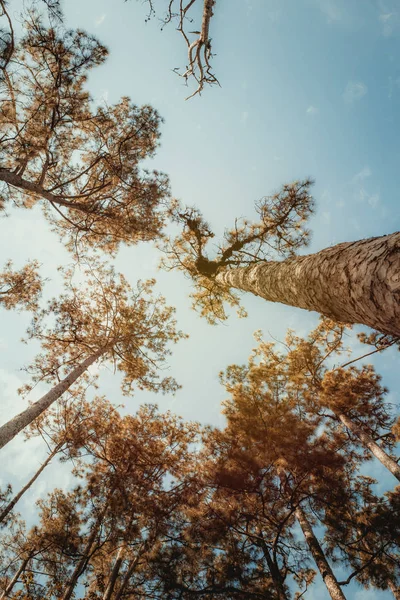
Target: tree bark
[
  {"x": 131, "y": 568},
  {"x": 9, "y": 430},
  {"x": 327, "y": 575},
  {"x": 274, "y": 572},
  {"x": 17, "y": 575},
  {"x": 369, "y": 443},
  {"x": 353, "y": 282},
  {"x": 17, "y": 497},
  {"x": 87, "y": 552},
  {"x": 394, "y": 589},
  {"x": 114, "y": 573}
]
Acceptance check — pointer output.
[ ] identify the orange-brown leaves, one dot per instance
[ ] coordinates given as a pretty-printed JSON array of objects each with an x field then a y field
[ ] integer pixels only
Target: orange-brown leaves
[
  {"x": 81, "y": 161},
  {"x": 132, "y": 327},
  {"x": 20, "y": 289},
  {"x": 352, "y": 389},
  {"x": 279, "y": 232}
]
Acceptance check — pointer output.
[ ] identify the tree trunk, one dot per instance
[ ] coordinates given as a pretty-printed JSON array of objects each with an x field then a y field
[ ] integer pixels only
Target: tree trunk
[
  {"x": 273, "y": 571},
  {"x": 353, "y": 282},
  {"x": 327, "y": 575},
  {"x": 14, "y": 580},
  {"x": 87, "y": 552},
  {"x": 16, "y": 498},
  {"x": 369, "y": 443},
  {"x": 9, "y": 430},
  {"x": 114, "y": 573},
  {"x": 131, "y": 568},
  {"x": 394, "y": 589}
]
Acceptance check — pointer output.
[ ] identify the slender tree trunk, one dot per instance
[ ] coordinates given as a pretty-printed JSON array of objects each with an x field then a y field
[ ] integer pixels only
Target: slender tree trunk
[
  {"x": 17, "y": 497},
  {"x": 114, "y": 573},
  {"x": 274, "y": 572},
  {"x": 82, "y": 563},
  {"x": 354, "y": 282},
  {"x": 129, "y": 572},
  {"x": 328, "y": 577},
  {"x": 369, "y": 443},
  {"x": 9, "y": 430},
  {"x": 14, "y": 580},
  {"x": 394, "y": 589}
]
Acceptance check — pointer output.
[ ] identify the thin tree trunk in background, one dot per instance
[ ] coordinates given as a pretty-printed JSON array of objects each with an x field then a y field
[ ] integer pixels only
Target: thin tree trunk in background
[
  {"x": 324, "y": 568},
  {"x": 394, "y": 589},
  {"x": 9, "y": 430},
  {"x": 82, "y": 563},
  {"x": 130, "y": 570},
  {"x": 114, "y": 573},
  {"x": 17, "y": 497},
  {"x": 274, "y": 572},
  {"x": 353, "y": 282},
  {"x": 14, "y": 580},
  {"x": 369, "y": 443}
]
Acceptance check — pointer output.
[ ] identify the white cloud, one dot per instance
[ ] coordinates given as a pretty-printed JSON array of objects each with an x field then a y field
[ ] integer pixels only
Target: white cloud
[
  {"x": 331, "y": 9},
  {"x": 100, "y": 20},
  {"x": 354, "y": 91},
  {"x": 326, "y": 217},
  {"x": 389, "y": 17},
  {"x": 363, "y": 174},
  {"x": 312, "y": 110},
  {"x": 361, "y": 194}
]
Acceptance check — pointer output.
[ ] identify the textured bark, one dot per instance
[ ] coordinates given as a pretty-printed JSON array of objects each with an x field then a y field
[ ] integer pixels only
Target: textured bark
[
  {"x": 10, "y": 429},
  {"x": 369, "y": 443},
  {"x": 114, "y": 573},
  {"x": 327, "y": 575},
  {"x": 26, "y": 487},
  {"x": 16, "y": 577},
  {"x": 353, "y": 282},
  {"x": 205, "y": 23}
]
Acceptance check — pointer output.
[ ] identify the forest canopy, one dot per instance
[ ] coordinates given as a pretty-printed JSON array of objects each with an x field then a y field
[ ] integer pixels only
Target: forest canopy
[{"x": 146, "y": 454}]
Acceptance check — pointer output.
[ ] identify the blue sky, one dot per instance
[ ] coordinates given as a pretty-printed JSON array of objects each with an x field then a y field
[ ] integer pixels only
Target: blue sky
[{"x": 308, "y": 88}]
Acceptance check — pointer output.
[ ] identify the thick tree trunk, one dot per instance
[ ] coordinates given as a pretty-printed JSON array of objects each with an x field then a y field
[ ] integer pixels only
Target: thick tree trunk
[
  {"x": 354, "y": 282},
  {"x": 9, "y": 430},
  {"x": 369, "y": 443},
  {"x": 114, "y": 573},
  {"x": 17, "y": 497},
  {"x": 327, "y": 575},
  {"x": 16, "y": 577}
]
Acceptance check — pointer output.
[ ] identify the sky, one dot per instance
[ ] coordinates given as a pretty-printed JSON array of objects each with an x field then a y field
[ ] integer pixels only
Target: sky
[{"x": 308, "y": 88}]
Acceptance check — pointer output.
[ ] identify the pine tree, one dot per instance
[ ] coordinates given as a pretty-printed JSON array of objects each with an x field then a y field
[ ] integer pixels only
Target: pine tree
[
  {"x": 79, "y": 161},
  {"x": 103, "y": 320},
  {"x": 354, "y": 282},
  {"x": 276, "y": 417},
  {"x": 20, "y": 289}
]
